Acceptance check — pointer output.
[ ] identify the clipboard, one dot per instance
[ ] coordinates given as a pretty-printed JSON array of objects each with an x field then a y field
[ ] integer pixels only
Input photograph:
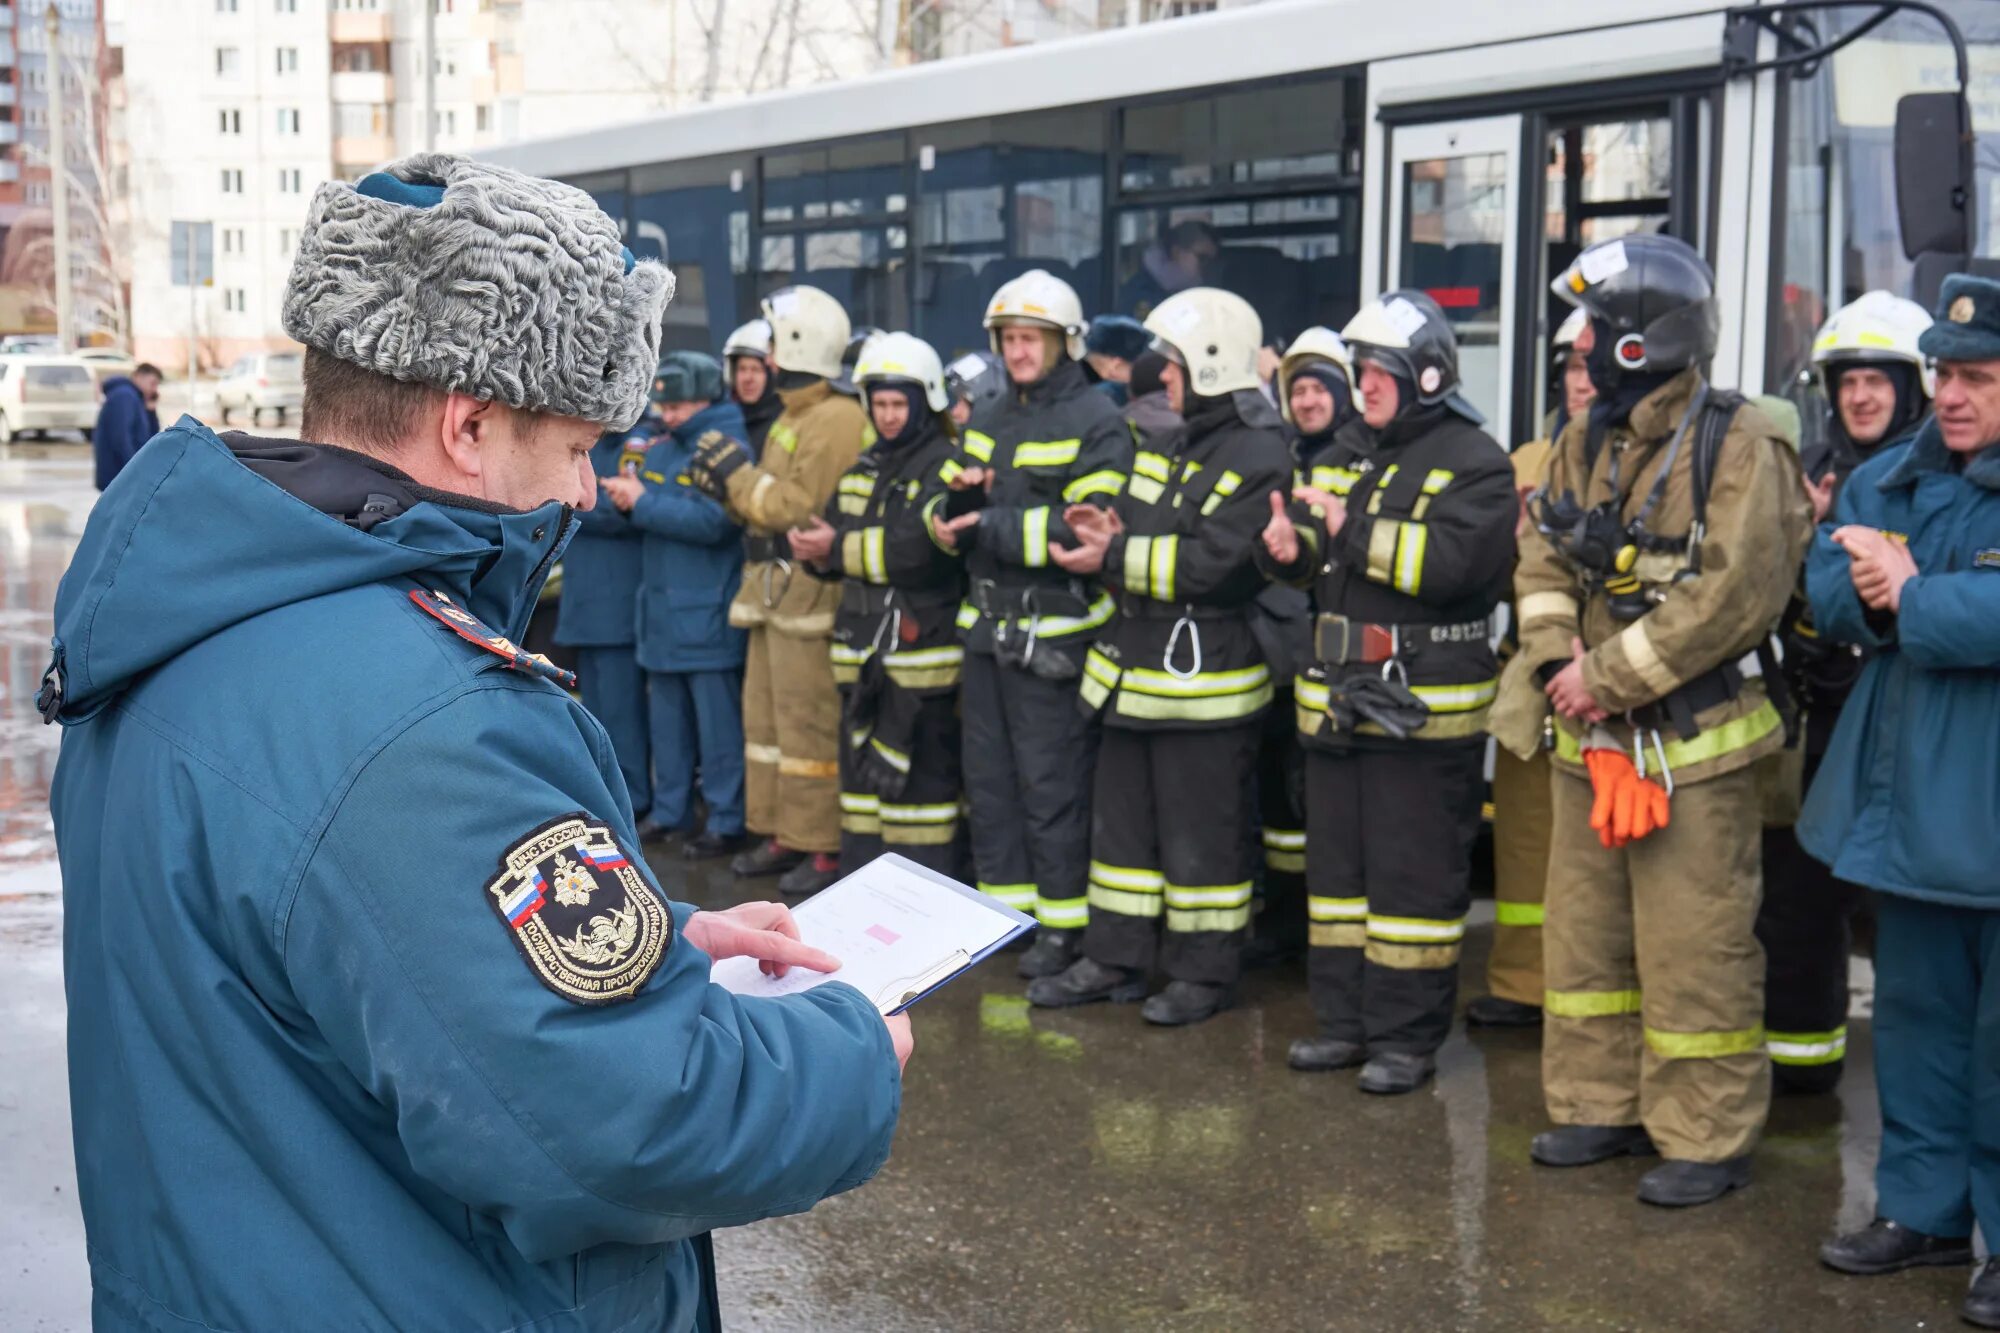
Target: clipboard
[{"x": 881, "y": 927}]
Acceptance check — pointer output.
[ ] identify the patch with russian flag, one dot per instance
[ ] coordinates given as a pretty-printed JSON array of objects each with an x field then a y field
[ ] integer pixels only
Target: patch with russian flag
[{"x": 591, "y": 926}]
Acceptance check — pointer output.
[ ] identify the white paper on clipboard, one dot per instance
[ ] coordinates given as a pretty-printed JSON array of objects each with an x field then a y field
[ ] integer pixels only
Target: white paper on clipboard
[{"x": 899, "y": 929}]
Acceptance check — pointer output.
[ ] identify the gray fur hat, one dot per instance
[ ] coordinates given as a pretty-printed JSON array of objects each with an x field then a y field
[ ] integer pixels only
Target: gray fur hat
[{"x": 479, "y": 280}]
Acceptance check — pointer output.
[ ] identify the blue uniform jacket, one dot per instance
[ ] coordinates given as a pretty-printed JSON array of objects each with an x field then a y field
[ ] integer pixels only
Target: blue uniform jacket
[
  {"x": 321, "y": 1077},
  {"x": 600, "y": 582},
  {"x": 124, "y": 424},
  {"x": 693, "y": 555},
  {"x": 1908, "y": 797}
]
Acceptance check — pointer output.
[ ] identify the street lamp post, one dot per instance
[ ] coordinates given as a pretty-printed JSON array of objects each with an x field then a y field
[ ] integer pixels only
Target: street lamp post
[{"x": 59, "y": 178}]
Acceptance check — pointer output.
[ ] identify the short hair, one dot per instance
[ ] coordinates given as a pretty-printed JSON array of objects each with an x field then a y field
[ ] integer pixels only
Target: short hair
[
  {"x": 345, "y": 404},
  {"x": 1190, "y": 232},
  {"x": 148, "y": 368}
]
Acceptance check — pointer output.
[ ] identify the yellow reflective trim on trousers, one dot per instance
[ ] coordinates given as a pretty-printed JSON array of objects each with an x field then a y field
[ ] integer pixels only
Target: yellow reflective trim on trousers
[
  {"x": 1206, "y": 708},
  {"x": 943, "y": 812},
  {"x": 761, "y": 754},
  {"x": 1410, "y": 957},
  {"x": 1035, "y": 537},
  {"x": 1138, "y": 561},
  {"x": 1285, "y": 839},
  {"x": 1160, "y": 576},
  {"x": 1125, "y": 904},
  {"x": 1590, "y": 1003},
  {"x": 895, "y": 758},
  {"x": 1018, "y": 896},
  {"x": 1807, "y": 1048},
  {"x": 1284, "y": 863},
  {"x": 1414, "y": 930},
  {"x": 1208, "y": 895},
  {"x": 1046, "y": 453},
  {"x": 1211, "y": 919},
  {"x": 977, "y": 443},
  {"x": 1225, "y": 486},
  {"x": 1144, "y": 489},
  {"x": 1518, "y": 914},
  {"x": 1152, "y": 465},
  {"x": 860, "y": 803},
  {"x": 1147, "y": 681},
  {"x": 1102, "y": 482},
  {"x": 1337, "y": 935},
  {"x": 1704, "y": 1045},
  {"x": 1457, "y": 698},
  {"x": 1711, "y": 744},
  {"x": 1411, "y": 539},
  {"x": 918, "y": 835},
  {"x": 864, "y": 824},
  {"x": 1336, "y": 909},
  {"x": 808, "y": 768},
  {"x": 1135, "y": 878},
  {"x": 1456, "y": 710},
  {"x": 1063, "y": 913}
]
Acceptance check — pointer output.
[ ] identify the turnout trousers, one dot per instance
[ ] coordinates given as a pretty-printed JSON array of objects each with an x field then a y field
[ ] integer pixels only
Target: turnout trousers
[
  {"x": 1171, "y": 823},
  {"x": 614, "y": 690},
  {"x": 1521, "y": 816},
  {"x": 920, "y": 820},
  {"x": 791, "y": 724},
  {"x": 1280, "y": 923},
  {"x": 1389, "y": 836},
  {"x": 1937, "y": 1065},
  {"x": 1029, "y": 751},
  {"x": 697, "y": 728},
  {"x": 1806, "y": 925},
  {"x": 1655, "y": 999}
]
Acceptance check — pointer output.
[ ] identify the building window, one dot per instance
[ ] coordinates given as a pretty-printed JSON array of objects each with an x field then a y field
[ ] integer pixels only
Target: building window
[
  {"x": 38, "y": 192},
  {"x": 444, "y": 122},
  {"x": 232, "y": 121},
  {"x": 288, "y": 60},
  {"x": 288, "y": 241},
  {"x": 225, "y": 6},
  {"x": 286, "y": 6},
  {"x": 232, "y": 180},
  {"x": 228, "y": 61},
  {"x": 234, "y": 242},
  {"x": 482, "y": 118},
  {"x": 235, "y": 300},
  {"x": 288, "y": 120},
  {"x": 289, "y": 180},
  {"x": 359, "y": 120},
  {"x": 359, "y": 58}
]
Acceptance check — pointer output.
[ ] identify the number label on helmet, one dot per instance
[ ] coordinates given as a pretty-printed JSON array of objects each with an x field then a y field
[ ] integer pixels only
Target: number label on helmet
[
  {"x": 1403, "y": 317},
  {"x": 1603, "y": 261}
]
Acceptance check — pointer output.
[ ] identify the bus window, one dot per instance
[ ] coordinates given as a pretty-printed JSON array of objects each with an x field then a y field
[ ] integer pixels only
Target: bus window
[
  {"x": 837, "y": 217},
  {"x": 695, "y": 217},
  {"x": 1296, "y": 260}
]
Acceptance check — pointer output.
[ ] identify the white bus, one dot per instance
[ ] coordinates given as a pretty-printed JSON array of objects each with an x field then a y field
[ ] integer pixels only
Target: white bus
[{"x": 1310, "y": 153}]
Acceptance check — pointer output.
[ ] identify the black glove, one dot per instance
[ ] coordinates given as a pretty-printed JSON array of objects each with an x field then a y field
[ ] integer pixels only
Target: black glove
[
  {"x": 1386, "y": 703},
  {"x": 716, "y": 459}
]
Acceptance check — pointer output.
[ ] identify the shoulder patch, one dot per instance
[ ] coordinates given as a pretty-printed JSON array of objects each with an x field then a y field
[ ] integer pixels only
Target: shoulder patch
[
  {"x": 1987, "y": 559},
  {"x": 473, "y": 630},
  {"x": 589, "y": 925}
]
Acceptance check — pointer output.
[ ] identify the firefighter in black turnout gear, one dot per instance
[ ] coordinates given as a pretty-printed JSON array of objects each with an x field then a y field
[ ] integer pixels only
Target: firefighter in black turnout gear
[
  {"x": 1405, "y": 569},
  {"x": 1180, "y": 679},
  {"x": 895, "y": 649},
  {"x": 1052, "y": 443},
  {"x": 1878, "y": 389}
]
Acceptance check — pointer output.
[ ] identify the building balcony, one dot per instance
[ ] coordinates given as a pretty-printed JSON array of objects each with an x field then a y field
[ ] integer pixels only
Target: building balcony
[
  {"x": 364, "y": 86},
  {"x": 363, "y": 148},
  {"x": 361, "y": 26},
  {"x": 10, "y": 94},
  {"x": 10, "y": 131},
  {"x": 10, "y": 171}
]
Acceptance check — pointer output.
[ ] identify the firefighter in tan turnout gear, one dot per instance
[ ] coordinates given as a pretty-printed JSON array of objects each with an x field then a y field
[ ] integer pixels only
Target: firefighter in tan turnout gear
[
  {"x": 1666, "y": 541},
  {"x": 791, "y": 711},
  {"x": 1179, "y": 678}
]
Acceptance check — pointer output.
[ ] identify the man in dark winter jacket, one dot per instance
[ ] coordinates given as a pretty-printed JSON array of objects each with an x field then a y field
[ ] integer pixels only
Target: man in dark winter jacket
[{"x": 125, "y": 421}]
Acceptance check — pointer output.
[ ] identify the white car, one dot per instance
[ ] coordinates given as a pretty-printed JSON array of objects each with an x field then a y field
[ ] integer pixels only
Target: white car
[
  {"x": 259, "y": 383},
  {"x": 107, "y": 362},
  {"x": 39, "y": 394}
]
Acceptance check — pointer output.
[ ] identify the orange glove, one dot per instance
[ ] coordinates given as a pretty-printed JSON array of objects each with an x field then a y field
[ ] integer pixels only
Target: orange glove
[{"x": 1627, "y": 807}]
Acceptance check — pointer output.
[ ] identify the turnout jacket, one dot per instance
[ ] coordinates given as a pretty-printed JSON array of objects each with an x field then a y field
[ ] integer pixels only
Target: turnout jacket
[
  {"x": 808, "y": 448},
  {"x": 1758, "y": 524},
  {"x": 1182, "y": 653},
  {"x": 1424, "y": 552},
  {"x": 377, "y": 1018},
  {"x": 1050, "y": 445},
  {"x": 1908, "y": 797}
]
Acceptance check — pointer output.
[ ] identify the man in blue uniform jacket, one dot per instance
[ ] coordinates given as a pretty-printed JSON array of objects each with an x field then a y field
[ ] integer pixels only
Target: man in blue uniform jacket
[
  {"x": 377, "y": 1020},
  {"x": 597, "y": 614},
  {"x": 1907, "y": 801}
]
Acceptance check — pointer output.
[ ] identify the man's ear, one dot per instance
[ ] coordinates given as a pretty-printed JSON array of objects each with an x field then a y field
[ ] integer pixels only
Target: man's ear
[{"x": 465, "y": 428}]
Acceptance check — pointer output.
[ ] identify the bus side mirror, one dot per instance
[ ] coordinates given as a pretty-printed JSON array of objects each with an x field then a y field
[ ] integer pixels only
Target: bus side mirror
[{"x": 1934, "y": 173}]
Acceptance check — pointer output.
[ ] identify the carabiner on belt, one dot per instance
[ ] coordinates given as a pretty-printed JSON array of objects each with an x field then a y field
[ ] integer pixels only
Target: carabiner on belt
[
  {"x": 892, "y": 620},
  {"x": 778, "y": 564},
  {"x": 1186, "y": 622},
  {"x": 1393, "y": 669}
]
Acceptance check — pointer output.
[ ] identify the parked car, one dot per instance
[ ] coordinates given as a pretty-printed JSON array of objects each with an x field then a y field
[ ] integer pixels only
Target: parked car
[
  {"x": 39, "y": 394},
  {"x": 260, "y": 383},
  {"x": 107, "y": 362},
  {"x": 29, "y": 344}
]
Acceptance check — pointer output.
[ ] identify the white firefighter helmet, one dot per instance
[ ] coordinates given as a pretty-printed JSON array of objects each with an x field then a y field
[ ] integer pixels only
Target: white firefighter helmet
[
  {"x": 1038, "y": 297},
  {"x": 1569, "y": 331},
  {"x": 1874, "y": 327},
  {"x": 1317, "y": 343},
  {"x": 1214, "y": 334},
  {"x": 903, "y": 358},
  {"x": 809, "y": 331},
  {"x": 752, "y": 339}
]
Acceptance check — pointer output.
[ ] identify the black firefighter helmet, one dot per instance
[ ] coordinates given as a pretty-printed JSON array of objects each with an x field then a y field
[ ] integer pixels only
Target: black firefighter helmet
[{"x": 1653, "y": 294}]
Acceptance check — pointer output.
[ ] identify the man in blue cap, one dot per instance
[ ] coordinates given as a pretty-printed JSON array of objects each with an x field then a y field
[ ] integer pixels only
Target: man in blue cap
[
  {"x": 1110, "y": 345},
  {"x": 377, "y": 1018},
  {"x": 1907, "y": 801}
]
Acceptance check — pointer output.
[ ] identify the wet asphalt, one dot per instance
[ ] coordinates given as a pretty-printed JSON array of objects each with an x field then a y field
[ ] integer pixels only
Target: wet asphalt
[{"x": 1079, "y": 1170}]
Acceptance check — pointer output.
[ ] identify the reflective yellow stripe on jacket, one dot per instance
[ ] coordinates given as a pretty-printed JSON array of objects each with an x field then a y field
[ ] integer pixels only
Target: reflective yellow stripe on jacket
[{"x": 1160, "y": 696}]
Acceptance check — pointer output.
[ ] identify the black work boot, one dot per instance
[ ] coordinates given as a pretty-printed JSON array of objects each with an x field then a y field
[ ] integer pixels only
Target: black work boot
[
  {"x": 1889, "y": 1247},
  {"x": 1087, "y": 981},
  {"x": 1316, "y": 1055},
  {"x": 766, "y": 858},
  {"x": 809, "y": 876},
  {"x": 1982, "y": 1303},
  {"x": 707, "y": 846},
  {"x": 1052, "y": 952},
  {"x": 1392, "y": 1073},
  {"x": 1674, "y": 1184},
  {"x": 1186, "y": 1002},
  {"x": 651, "y": 830},
  {"x": 1587, "y": 1145},
  {"x": 1490, "y": 1011}
]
